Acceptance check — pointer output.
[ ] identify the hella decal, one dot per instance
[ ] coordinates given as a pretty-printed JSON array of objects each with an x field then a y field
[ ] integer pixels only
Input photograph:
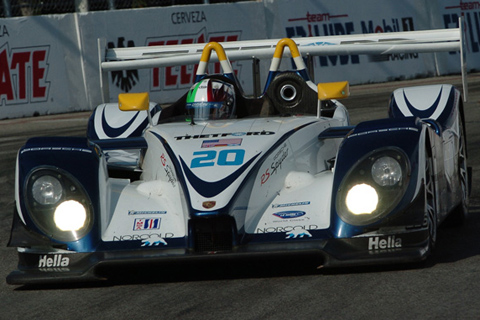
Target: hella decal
[
  {"x": 289, "y": 214},
  {"x": 379, "y": 243},
  {"x": 53, "y": 261}
]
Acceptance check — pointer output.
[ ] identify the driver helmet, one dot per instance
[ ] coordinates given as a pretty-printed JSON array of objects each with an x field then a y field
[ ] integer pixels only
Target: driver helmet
[{"x": 211, "y": 99}]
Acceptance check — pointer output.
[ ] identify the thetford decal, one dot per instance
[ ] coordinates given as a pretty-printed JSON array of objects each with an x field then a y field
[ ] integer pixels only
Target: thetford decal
[
  {"x": 172, "y": 78},
  {"x": 124, "y": 79},
  {"x": 217, "y": 135},
  {"x": 316, "y": 24},
  {"x": 23, "y": 74}
]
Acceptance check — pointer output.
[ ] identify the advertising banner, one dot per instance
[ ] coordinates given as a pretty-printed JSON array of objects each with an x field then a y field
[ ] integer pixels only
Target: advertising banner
[
  {"x": 167, "y": 26},
  {"x": 292, "y": 19},
  {"x": 34, "y": 54},
  {"x": 469, "y": 11}
]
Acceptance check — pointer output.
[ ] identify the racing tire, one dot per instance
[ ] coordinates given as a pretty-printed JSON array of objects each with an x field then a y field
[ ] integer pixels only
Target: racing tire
[
  {"x": 459, "y": 215},
  {"x": 430, "y": 203},
  {"x": 290, "y": 94}
]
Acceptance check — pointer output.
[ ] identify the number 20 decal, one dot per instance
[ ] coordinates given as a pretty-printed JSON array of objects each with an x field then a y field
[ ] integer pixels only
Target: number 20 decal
[{"x": 225, "y": 158}]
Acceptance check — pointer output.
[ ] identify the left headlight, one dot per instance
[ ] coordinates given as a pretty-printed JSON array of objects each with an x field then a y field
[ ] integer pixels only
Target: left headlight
[
  {"x": 58, "y": 204},
  {"x": 373, "y": 187}
]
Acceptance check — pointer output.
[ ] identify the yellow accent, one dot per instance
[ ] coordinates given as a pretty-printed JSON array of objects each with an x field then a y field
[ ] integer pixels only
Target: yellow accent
[
  {"x": 133, "y": 101},
  {"x": 207, "y": 51},
  {"x": 333, "y": 90},
  {"x": 282, "y": 44}
]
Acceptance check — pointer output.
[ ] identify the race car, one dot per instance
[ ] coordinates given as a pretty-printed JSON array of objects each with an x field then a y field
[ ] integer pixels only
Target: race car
[{"x": 221, "y": 173}]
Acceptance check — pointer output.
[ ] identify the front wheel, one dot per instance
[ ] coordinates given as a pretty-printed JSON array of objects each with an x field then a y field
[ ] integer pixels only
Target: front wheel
[{"x": 430, "y": 203}]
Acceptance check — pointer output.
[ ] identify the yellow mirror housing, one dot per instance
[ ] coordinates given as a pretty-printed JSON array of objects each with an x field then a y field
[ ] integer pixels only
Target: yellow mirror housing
[
  {"x": 333, "y": 90},
  {"x": 133, "y": 101}
]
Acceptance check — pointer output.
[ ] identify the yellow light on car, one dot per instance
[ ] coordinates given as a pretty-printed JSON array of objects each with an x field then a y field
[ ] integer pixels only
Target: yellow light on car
[
  {"x": 70, "y": 216},
  {"x": 362, "y": 199}
]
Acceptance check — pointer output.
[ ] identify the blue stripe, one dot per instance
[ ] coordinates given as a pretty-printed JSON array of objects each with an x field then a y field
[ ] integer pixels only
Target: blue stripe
[{"x": 211, "y": 189}]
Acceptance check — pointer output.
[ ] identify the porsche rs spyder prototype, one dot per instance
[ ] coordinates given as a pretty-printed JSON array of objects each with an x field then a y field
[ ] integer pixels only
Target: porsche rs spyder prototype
[{"x": 220, "y": 173}]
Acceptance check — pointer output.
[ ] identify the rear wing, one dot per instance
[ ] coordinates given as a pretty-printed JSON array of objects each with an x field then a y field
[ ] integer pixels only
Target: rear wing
[{"x": 428, "y": 41}]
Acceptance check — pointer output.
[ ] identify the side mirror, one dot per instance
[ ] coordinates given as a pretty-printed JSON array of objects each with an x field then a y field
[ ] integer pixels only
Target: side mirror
[
  {"x": 333, "y": 90},
  {"x": 135, "y": 102}
]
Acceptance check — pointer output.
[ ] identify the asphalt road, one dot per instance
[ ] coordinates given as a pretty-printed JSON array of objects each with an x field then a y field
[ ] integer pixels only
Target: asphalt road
[{"x": 445, "y": 287}]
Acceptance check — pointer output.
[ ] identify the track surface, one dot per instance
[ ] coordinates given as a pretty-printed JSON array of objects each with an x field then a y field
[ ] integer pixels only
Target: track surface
[{"x": 445, "y": 287}]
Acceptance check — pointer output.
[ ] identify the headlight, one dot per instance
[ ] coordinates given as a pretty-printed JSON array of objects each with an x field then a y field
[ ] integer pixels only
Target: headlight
[
  {"x": 361, "y": 199},
  {"x": 386, "y": 171},
  {"x": 47, "y": 190},
  {"x": 58, "y": 204},
  {"x": 373, "y": 187}
]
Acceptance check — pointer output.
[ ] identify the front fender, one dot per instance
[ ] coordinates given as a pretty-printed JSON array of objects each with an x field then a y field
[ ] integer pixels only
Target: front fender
[
  {"x": 406, "y": 136},
  {"x": 78, "y": 158}
]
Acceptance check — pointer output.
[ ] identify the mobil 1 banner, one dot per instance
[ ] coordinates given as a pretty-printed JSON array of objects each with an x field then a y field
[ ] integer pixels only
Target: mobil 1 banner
[
  {"x": 171, "y": 26},
  {"x": 327, "y": 18}
]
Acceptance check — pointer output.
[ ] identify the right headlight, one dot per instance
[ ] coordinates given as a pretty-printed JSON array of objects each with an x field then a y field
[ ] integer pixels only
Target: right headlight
[
  {"x": 58, "y": 204},
  {"x": 373, "y": 187}
]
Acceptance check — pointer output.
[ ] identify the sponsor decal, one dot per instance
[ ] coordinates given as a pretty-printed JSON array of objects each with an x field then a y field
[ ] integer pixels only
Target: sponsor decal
[
  {"x": 172, "y": 78},
  {"x": 168, "y": 170},
  {"x": 23, "y": 74},
  {"x": 292, "y": 204},
  {"x": 209, "y": 204},
  {"x": 53, "y": 261},
  {"x": 288, "y": 229},
  {"x": 148, "y": 240},
  {"x": 134, "y": 212},
  {"x": 382, "y": 130},
  {"x": 124, "y": 79},
  {"x": 278, "y": 159},
  {"x": 221, "y": 135},
  {"x": 222, "y": 143},
  {"x": 289, "y": 214},
  {"x": 146, "y": 224},
  {"x": 56, "y": 149},
  {"x": 379, "y": 243}
]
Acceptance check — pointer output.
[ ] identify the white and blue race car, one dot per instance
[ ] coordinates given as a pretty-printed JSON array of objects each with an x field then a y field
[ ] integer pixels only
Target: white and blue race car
[{"x": 219, "y": 173}]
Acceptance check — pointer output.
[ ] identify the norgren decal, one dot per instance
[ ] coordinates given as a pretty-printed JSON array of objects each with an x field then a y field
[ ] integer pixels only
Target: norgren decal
[
  {"x": 23, "y": 74},
  {"x": 172, "y": 78},
  {"x": 289, "y": 214}
]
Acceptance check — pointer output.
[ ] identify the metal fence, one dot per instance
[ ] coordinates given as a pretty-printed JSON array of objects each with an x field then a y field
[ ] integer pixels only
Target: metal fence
[{"x": 16, "y": 8}]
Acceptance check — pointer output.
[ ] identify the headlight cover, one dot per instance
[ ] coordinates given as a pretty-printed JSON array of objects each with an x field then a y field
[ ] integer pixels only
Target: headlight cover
[
  {"x": 373, "y": 187},
  {"x": 58, "y": 204}
]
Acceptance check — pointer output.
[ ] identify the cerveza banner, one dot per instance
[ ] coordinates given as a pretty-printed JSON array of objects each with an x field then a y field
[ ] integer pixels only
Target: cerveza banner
[{"x": 50, "y": 64}]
